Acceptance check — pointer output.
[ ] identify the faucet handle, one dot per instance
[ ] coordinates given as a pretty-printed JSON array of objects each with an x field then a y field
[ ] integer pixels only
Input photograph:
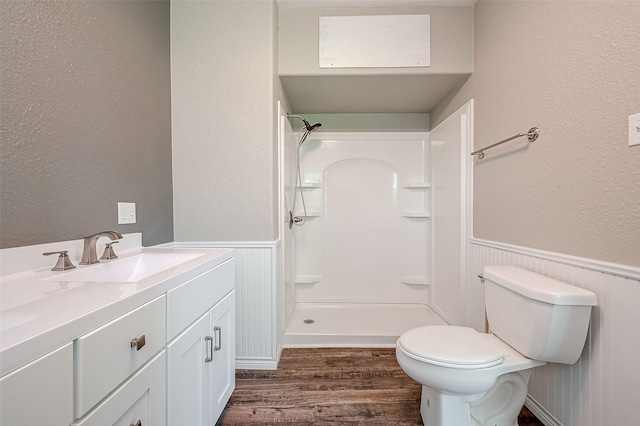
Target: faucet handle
[
  {"x": 108, "y": 251},
  {"x": 63, "y": 263}
]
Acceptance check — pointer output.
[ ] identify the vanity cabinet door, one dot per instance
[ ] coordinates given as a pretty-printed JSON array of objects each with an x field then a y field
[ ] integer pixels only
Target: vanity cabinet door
[
  {"x": 223, "y": 371},
  {"x": 40, "y": 393},
  {"x": 188, "y": 375},
  {"x": 201, "y": 367}
]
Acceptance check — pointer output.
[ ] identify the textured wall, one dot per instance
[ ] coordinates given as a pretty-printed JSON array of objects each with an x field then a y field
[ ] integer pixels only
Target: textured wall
[
  {"x": 570, "y": 68},
  {"x": 223, "y": 113},
  {"x": 85, "y": 119}
]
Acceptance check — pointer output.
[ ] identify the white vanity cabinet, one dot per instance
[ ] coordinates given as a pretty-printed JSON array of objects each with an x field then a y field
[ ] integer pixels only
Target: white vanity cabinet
[
  {"x": 40, "y": 393},
  {"x": 201, "y": 359},
  {"x": 164, "y": 345}
]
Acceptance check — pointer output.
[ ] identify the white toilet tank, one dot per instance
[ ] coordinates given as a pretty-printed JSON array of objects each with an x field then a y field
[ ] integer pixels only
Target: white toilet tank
[{"x": 543, "y": 319}]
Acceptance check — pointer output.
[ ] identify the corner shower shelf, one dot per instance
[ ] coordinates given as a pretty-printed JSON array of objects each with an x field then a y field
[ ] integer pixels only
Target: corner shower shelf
[
  {"x": 309, "y": 214},
  {"x": 310, "y": 185},
  {"x": 418, "y": 215},
  {"x": 415, "y": 280},
  {"x": 307, "y": 279},
  {"x": 416, "y": 185}
]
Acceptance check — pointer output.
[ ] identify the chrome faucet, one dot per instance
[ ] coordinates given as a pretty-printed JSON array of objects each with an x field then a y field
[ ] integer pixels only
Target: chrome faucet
[{"x": 89, "y": 255}]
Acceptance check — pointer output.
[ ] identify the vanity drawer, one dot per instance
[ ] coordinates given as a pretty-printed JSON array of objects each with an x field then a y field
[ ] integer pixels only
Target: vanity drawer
[
  {"x": 108, "y": 355},
  {"x": 188, "y": 302},
  {"x": 141, "y": 400}
]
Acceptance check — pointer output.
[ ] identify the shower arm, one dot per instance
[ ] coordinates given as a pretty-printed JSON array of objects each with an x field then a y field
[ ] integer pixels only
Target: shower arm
[{"x": 307, "y": 126}]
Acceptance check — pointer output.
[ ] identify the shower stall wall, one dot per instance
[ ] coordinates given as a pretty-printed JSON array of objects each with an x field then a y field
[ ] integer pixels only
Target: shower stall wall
[{"x": 362, "y": 257}]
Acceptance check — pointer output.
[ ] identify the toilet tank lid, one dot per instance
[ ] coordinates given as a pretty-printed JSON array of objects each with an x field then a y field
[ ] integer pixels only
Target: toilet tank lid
[{"x": 539, "y": 287}]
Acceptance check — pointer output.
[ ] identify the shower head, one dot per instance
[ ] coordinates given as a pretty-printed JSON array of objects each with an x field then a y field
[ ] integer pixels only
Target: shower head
[{"x": 309, "y": 127}]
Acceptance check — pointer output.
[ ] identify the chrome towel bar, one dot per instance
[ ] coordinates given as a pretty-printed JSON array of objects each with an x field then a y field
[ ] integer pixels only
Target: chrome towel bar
[{"x": 531, "y": 135}]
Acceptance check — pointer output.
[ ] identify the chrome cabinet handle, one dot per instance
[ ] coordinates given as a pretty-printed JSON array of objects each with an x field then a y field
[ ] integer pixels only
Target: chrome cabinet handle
[
  {"x": 138, "y": 423},
  {"x": 209, "y": 342},
  {"x": 138, "y": 342},
  {"x": 218, "y": 333}
]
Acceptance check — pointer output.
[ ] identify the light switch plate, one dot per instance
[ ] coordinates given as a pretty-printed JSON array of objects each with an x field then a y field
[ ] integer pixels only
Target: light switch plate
[
  {"x": 634, "y": 129},
  {"x": 126, "y": 213}
]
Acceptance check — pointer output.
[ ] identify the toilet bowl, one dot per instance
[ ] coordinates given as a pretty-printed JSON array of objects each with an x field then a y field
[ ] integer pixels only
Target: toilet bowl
[
  {"x": 480, "y": 379},
  {"x": 458, "y": 367}
]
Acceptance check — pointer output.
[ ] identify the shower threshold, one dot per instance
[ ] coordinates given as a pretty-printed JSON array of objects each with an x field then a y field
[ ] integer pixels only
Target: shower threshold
[{"x": 364, "y": 325}]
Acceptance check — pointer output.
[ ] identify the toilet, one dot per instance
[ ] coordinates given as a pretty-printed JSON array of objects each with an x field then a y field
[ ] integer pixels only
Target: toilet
[{"x": 480, "y": 379}]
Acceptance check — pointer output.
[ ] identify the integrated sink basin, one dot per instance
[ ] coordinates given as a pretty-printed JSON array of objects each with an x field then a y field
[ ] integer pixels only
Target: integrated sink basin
[{"x": 127, "y": 269}]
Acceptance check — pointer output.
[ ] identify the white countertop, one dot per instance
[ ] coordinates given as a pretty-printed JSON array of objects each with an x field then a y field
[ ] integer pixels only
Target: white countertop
[{"x": 39, "y": 314}]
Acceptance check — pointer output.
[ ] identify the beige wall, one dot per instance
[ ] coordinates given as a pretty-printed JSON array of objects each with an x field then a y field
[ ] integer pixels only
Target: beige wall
[
  {"x": 84, "y": 119},
  {"x": 570, "y": 68},
  {"x": 224, "y": 96}
]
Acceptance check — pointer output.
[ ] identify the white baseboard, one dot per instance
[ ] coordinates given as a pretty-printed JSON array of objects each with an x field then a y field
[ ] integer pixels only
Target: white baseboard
[
  {"x": 540, "y": 412},
  {"x": 256, "y": 364}
]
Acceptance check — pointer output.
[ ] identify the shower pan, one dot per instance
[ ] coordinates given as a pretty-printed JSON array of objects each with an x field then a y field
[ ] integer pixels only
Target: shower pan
[{"x": 361, "y": 273}]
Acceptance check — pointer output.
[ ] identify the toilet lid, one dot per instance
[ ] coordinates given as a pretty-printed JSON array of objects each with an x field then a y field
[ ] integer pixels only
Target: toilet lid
[{"x": 450, "y": 346}]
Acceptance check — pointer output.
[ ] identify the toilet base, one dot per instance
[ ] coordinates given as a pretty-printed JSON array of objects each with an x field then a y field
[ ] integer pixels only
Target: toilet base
[
  {"x": 440, "y": 409},
  {"x": 499, "y": 406}
]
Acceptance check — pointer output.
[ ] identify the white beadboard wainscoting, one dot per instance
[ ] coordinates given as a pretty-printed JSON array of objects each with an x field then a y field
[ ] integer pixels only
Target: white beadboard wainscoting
[
  {"x": 259, "y": 302},
  {"x": 603, "y": 387}
]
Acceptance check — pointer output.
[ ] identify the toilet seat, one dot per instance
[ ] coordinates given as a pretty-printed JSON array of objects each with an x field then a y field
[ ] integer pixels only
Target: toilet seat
[{"x": 451, "y": 346}]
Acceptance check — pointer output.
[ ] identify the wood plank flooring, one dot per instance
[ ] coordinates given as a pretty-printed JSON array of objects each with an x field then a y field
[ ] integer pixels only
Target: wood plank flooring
[{"x": 330, "y": 386}]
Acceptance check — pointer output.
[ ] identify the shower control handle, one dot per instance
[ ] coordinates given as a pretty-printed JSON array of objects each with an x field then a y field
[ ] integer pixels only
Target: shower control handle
[{"x": 293, "y": 220}]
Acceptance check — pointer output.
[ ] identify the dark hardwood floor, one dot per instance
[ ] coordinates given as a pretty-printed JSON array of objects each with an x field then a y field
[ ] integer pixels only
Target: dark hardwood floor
[{"x": 330, "y": 386}]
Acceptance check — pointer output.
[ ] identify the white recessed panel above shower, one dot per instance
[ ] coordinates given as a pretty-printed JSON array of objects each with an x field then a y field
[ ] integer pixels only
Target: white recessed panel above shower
[{"x": 384, "y": 41}]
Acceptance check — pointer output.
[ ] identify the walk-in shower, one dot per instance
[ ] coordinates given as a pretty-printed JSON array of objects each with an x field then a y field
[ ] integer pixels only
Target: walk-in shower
[
  {"x": 362, "y": 260},
  {"x": 386, "y": 237}
]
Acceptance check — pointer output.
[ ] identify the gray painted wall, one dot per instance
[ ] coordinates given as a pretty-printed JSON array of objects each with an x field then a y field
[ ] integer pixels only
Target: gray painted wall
[
  {"x": 570, "y": 68},
  {"x": 85, "y": 119},
  {"x": 224, "y": 100}
]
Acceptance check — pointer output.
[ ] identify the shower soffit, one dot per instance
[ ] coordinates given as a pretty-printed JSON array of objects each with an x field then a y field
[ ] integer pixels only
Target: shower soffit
[
  {"x": 310, "y": 89},
  {"x": 352, "y": 94}
]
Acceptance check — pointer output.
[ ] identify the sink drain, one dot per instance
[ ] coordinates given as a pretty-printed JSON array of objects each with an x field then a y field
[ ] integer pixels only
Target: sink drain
[{"x": 308, "y": 321}]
